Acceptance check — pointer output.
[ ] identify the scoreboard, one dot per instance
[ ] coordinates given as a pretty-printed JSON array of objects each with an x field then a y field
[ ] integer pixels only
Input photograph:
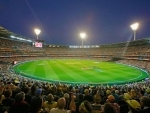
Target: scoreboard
[{"x": 38, "y": 43}]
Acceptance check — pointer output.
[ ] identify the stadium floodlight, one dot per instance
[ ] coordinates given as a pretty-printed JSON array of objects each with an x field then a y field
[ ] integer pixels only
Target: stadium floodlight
[
  {"x": 37, "y": 32},
  {"x": 134, "y": 28},
  {"x": 82, "y": 35}
]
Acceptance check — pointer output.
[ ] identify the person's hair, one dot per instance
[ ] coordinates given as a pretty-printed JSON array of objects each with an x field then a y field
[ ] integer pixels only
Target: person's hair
[
  {"x": 111, "y": 99},
  {"x": 7, "y": 93},
  {"x": 50, "y": 98},
  {"x": 61, "y": 103},
  {"x": 19, "y": 97},
  {"x": 25, "y": 90},
  {"x": 33, "y": 89},
  {"x": 36, "y": 104},
  {"x": 80, "y": 96},
  {"x": 97, "y": 98},
  {"x": 108, "y": 108},
  {"x": 86, "y": 106},
  {"x": 145, "y": 100}
]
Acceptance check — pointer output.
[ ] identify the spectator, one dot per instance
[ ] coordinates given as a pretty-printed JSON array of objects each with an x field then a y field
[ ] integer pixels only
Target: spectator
[
  {"x": 79, "y": 101},
  {"x": 87, "y": 96},
  {"x": 113, "y": 92},
  {"x": 111, "y": 100},
  {"x": 123, "y": 104},
  {"x": 108, "y": 92},
  {"x": 8, "y": 101},
  {"x": 108, "y": 108},
  {"x": 27, "y": 96},
  {"x": 37, "y": 102},
  {"x": 96, "y": 106},
  {"x": 85, "y": 107},
  {"x": 49, "y": 104},
  {"x": 20, "y": 106},
  {"x": 61, "y": 103},
  {"x": 134, "y": 106},
  {"x": 67, "y": 98},
  {"x": 145, "y": 104}
]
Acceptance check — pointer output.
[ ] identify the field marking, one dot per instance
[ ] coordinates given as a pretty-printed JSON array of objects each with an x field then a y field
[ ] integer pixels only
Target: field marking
[
  {"x": 73, "y": 63},
  {"x": 41, "y": 64},
  {"x": 96, "y": 62}
]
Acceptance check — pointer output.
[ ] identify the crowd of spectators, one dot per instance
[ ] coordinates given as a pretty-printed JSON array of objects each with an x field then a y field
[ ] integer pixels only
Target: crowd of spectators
[
  {"x": 25, "y": 95},
  {"x": 137, "y": 63}
]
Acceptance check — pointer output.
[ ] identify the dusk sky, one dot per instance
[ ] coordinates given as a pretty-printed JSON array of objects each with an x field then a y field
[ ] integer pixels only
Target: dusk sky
[{"x": 61, "y": 21}]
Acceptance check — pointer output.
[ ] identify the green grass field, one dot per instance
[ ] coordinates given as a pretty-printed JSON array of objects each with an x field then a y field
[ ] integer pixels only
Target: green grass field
[{"x": 80, "y": 71}]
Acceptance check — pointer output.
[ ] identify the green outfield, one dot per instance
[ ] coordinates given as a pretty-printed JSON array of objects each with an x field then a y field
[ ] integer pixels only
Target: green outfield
[{"x": 80, "y": 71}]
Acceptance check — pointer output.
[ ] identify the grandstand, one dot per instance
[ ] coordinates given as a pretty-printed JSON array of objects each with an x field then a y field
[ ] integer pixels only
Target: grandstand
[{"x": 15, "y": 48}]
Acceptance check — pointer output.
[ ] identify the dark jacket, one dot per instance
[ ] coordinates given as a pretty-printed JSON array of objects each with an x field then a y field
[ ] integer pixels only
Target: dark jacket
[{"x": 22, "y": 107}]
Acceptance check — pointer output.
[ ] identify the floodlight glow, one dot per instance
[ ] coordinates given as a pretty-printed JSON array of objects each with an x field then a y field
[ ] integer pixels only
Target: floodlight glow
[
  {"x": 134, "y": 26},
  {"x": 37, "y": 31},
  {"x": 82, "y": 35}
]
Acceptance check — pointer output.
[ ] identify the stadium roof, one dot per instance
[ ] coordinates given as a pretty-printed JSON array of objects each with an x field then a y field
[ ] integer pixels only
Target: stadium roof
[{"x": 8, "y": 34}]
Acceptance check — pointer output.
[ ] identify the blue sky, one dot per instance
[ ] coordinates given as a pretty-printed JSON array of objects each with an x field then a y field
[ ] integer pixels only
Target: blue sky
[{"x": 61, "y": 21}]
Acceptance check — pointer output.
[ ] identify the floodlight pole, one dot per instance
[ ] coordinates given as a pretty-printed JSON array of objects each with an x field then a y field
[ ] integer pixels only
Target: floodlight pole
[
  {"x": 134, "y": 35},
  {"x": 37, "y": 37},
  {"x": 82, "y": 42},
  {"x": 134, "y": 28},
  {"x": 82, "y": 35}
]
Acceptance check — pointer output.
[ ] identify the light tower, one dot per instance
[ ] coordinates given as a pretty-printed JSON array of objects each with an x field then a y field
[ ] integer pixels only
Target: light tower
[
  {"x": 37, "y": 32},
  {"x": 82, "y": 35},
  {"x": 134, "y": 28}
]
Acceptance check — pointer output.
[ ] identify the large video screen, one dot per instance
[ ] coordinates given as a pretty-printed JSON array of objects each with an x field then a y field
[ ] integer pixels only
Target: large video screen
[{"x": 38, "y": 44}]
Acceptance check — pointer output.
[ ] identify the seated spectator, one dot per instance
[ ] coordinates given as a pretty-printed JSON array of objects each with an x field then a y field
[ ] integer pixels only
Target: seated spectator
[
  {"x": 20, "y": 106},
  {"x": 145, "y": 104},
  {"x": 113, "y": 92},
  {"x": 37, "y": 102},
  {"x": 61, "y": 103},
  {"x": 108, "y": 92},
  {"x": 108, "y": 108},
  {"x": 8, "y": 101},
  {"x": 85, "y": 107},
  {"x": 49, "y": 104},
  {"x": 79, "y": 101},
  {"x": 134, "y": 106},
  {"x": 111, "y": 100},
  {"x": 96, "y": 106},
  {"x": 87, "y": 96},
  {"x": 27, "y": 96},
  {"x": 67, "y": 98},
  {"x": 123, "y": 104}
]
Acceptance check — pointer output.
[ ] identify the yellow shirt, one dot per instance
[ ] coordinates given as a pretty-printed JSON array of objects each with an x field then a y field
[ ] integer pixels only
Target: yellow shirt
[{"x": 50, "y": 105}]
